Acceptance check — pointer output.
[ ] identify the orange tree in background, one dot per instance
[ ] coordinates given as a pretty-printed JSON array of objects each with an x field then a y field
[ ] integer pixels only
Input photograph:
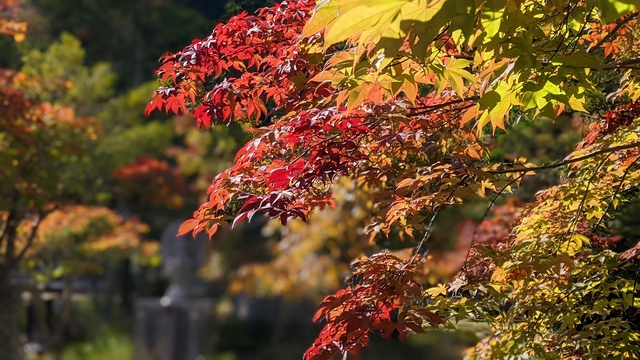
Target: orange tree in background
[
  {"x": 74, "y": 241},
  {"x": 45, "y": 161},
  {"x": 46, "y": 169},
  {"x": 152, "y": 181},
  {"x": 405, "y": 97},
  {"x": 299, "y": 252},
  {"x": 71, "y": 242},
  {"x": 37, "y": 141},
  {"x": 78, "y": 239}
]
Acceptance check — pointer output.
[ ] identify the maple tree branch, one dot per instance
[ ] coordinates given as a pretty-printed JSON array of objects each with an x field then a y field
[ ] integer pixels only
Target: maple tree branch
[
  {"x": 427, "y": 234},
  {"x": 30, "y": 239},
  {"x": 578, "y": 36},
  {"x": 371, "y": 125},
  {"x": 629, "y": 61},
  {"x": 441, "y": 34},
  {"x": 574, "y": 222},
  {"x": 15, "y": 197},
  {"x": 484, "y": 216},
  {"x": 463, "y": 56},
  {"x": 398, "y": 62},
  {"x": 537, "y": 319},
  {"x": 631, "y": 16},
  {"x": 441, "y": 105},
  {"x": 624, "y": 176},
  {"x": 5, "y": 230},
  {"x": 540, "y": 21},
  {"x": 416, "y": 252},
  {"x": 624, "y": 64},
  {"x": 564, "y": 34},
  {"x": 567, "y": 161}
]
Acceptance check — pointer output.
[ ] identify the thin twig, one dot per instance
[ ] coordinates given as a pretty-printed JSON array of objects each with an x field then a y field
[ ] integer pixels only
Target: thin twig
[
  {"x": 428, "y": 231},
  {"x": 445, "y": 111},
  {"x": 484, "y": 216},
  {"x": 566, "y": 161},
  {"x": 441, "y": 105},
  {"x": 577, "y": 38},
  {"x": 417, "y": 251}
]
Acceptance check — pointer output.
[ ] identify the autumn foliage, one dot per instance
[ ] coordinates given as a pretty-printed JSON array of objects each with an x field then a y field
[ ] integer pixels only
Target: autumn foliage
[
  {"x": 77, "y": 239},
  {"x": 9, "y": 23},
  {"x": 388, "y": 283},
  {"x": 404, "y": 97},
  {"x": 261, "y": 48},
  {"x": 152, "y": 181}
]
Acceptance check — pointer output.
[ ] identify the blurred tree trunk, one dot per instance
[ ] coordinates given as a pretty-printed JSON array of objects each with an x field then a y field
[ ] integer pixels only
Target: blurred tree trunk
[
  {"x": 9, "y": 309},
  {"x": 41, "y": 318},
  {"x": 9, "y": 305},
  {"x": 126, "y": 287},
  {"x": 10, "y": 255},
  {"x": 56, "y": 341}
]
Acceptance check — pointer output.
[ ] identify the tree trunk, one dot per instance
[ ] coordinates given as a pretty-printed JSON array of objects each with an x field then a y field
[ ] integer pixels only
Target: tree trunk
[
  {"x": 126, "y": 287},
  {"x": 9, "y": 310},
  {"x": 66, "y": 303},
  {"x": 42, "y": 316}
]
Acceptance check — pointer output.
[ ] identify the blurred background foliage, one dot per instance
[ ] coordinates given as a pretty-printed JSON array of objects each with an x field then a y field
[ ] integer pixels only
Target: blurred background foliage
[{"x": 133, "y": 175}]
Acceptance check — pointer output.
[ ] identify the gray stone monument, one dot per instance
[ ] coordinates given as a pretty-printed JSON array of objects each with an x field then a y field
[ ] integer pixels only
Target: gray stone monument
[
  {"x": 176, "y": 326},
  {"x": 181, "y": 258}
]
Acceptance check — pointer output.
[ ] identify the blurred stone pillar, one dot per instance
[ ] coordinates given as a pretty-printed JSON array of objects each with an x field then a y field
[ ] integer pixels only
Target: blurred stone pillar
[
  {"x": 176, "y": 326},
  {"x": 176, "y": 332}
]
